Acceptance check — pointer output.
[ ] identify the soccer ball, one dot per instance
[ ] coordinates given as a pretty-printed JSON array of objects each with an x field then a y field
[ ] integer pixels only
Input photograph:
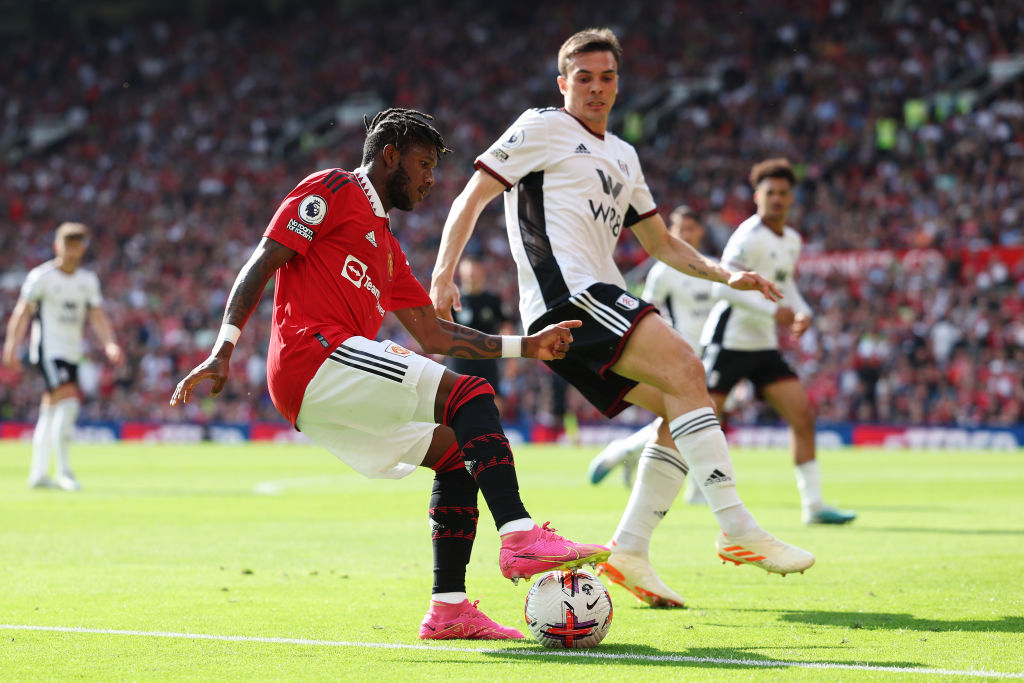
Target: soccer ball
[{"x": 568, "y": 609}]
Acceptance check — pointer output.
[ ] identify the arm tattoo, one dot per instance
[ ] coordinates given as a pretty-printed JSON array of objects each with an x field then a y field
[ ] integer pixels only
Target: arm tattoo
[
  {"x": 470, "y": 343},
  {"x": 250, "y": 283}
]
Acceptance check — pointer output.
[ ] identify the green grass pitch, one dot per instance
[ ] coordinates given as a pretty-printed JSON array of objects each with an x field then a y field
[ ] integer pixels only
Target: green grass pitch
[{"x": 264, "y": 562}]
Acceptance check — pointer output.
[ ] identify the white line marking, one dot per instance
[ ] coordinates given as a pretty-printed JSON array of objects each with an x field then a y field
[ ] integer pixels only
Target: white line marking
[{"x": 522, "y": 653}]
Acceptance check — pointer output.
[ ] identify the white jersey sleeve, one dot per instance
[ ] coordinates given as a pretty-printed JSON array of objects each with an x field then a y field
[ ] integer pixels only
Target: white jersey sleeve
[{"x": 520, "y": 150}]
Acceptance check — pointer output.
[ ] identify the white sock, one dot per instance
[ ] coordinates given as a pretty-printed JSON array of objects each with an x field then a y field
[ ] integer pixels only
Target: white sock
[
  {"x": 65, "y": 413},
  {"x": 524, "y": 524},
  {"x": 620, "y": 449},
  {"x": 658, "y": 479},
  {"x": 701, "y": 442},
  {"x": 41, "y": 445},
  {"x": 808, "y": 482},
  {"x": 453, "y": 598}
]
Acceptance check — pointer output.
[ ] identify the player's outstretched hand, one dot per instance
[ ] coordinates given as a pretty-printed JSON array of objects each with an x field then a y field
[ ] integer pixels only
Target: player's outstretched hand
[
  {"x": 552, "y": 342},
  {"x": 212, "y": 368},
  {"x": 445, "y": 296},
  {"x": 747, "y": 279}
]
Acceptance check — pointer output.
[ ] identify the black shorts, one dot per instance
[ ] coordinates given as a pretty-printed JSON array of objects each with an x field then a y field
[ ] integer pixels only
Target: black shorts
[
  {"x": 725, "y": 368},
  {"x": 609, "y": 314},
  {"x": 57, "y": 372}
]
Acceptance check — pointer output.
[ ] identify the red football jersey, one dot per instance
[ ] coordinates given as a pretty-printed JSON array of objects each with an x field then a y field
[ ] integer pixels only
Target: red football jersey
[{"x": 349, "y": 271}]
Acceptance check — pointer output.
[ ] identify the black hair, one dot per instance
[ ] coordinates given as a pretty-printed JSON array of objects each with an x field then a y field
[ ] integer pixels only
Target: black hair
[{"x": 400, "y": 127}]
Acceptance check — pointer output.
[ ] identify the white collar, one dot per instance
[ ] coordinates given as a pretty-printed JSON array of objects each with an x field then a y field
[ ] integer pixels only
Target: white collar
[{"x": 369, "y": 191}]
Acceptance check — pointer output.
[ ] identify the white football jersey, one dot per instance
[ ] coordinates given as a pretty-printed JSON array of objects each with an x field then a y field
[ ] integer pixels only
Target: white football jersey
[
  {"x": 686, "y": 300},
  {"x": 570, "y": 194},
  {"x": 745, "y": 321},
  {"x": 62, "y": 301}
]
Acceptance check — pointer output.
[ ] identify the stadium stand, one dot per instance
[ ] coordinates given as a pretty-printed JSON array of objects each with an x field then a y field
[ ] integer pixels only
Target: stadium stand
[{"x": 174, "y": 130}]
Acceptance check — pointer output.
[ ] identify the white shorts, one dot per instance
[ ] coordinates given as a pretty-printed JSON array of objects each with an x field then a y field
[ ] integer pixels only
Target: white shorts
[{"x": 371, "y": 404}]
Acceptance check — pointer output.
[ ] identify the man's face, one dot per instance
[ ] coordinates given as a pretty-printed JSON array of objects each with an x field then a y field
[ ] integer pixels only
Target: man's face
[
  {"x": 70, "y": 250},
  {"x": 773, "y": 197},
  {"x": 686, "y": 229},
  {"x": 411, "y": 181},
  {"x": 590, "y": 86}
]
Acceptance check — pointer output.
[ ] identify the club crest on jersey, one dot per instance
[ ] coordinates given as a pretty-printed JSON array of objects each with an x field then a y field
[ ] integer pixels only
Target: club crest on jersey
[
  {"x": 391, "y": 266},
  {"x": 627, "y": 302},
  {"x": 371, "y": 239},
  {"x": 312, "y": 209},
  {"x": 622, "y": 165},
  {"x": 514, "y": 139},
  {"x": 397, "y": 350}
]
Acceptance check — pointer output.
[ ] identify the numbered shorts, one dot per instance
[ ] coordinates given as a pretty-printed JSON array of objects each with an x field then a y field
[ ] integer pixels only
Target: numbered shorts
[
  {"x": 609, "y": 314},
  {"x": 371, "y": 404},
  {"x": 725, "y": 368},
  {"x": 57, "y": 372}
]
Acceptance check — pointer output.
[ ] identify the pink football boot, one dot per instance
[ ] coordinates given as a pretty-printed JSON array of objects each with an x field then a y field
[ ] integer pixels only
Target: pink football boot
[
  {"x": 464, "y": 621},
  {"x": 525, "y": 553}
]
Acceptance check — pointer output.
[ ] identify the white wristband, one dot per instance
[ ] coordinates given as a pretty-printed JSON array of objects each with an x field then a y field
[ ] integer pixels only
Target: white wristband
[
  {"x": 511, "y": 346},
  {"x": 229, "y": 333}
]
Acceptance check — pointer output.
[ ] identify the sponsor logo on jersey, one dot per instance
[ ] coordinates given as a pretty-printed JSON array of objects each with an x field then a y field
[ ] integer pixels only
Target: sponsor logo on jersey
[
  {"x": 301, "y": 230},
  {"x": 514, "y": 139},
  {"x": 398, "y": 350},
  {"x": 627, "y": 302},
  {"x": 312, "y": 209},
  {"x": 500, "y": 155},
  {"x": 371, "y": 238},
  {"x": 354, "y": 271}
]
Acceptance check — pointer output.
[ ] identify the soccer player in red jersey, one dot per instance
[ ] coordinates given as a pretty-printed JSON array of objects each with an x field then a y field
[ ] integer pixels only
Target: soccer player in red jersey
[{"x": 377, "y": 406}]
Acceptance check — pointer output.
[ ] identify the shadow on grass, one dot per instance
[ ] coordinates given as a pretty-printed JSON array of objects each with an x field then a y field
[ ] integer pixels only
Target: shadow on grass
[
  {"x": 719, "y": 658},
  {"x": 898, "y": 621}
]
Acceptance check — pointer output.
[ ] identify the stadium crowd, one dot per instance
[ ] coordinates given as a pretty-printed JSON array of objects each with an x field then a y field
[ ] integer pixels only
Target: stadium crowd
[{"x": 175, "y": 140}]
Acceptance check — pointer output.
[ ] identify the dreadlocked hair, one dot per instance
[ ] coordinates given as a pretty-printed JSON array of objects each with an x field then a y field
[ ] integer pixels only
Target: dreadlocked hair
[{"x": 400, "y": 127}]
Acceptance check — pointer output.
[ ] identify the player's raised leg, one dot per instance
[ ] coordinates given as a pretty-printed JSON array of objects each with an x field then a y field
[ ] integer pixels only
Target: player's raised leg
[{"x": 466, "y": 405}]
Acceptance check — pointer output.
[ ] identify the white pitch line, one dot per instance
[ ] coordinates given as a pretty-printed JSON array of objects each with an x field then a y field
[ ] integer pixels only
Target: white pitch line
[{"x": 522, "y": 653}]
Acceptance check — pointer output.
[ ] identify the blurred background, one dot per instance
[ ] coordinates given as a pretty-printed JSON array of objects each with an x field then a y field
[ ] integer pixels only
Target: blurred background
[{"x": 174, "y": 129}]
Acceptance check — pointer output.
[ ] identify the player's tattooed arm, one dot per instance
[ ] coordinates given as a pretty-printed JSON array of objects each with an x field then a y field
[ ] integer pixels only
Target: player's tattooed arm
[
  {"x": 252, "y": 280},
  {"x": 442, "y": 336},
  {"x": 245, "y": 294}
]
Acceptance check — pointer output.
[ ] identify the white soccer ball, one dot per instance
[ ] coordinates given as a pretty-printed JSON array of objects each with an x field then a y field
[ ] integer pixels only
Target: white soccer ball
[{"x": 568, "y": 609}]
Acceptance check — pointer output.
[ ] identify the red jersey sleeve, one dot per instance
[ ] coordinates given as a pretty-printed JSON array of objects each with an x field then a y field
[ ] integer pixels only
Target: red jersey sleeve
[{"x": 302, "y": 214}]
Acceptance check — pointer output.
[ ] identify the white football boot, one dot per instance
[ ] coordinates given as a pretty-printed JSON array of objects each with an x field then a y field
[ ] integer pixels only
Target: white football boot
[
  {"x": 635, "y": 573},
  {"x": 763, "y": 550}
]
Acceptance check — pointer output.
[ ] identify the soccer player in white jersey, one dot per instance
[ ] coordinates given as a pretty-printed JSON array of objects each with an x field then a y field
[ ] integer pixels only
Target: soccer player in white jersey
[
  {"x": 686, "y": 301},
  {"x": 740, "y": 337},
  {"x": 571, "y": 188},
  {"x": 56, "y": 300}
]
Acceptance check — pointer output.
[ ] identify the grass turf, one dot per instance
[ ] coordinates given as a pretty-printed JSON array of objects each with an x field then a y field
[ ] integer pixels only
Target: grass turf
[{"x": 169, "y": 552}]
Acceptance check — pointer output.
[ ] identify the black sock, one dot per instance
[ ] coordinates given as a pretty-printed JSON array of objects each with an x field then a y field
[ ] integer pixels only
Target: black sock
[
  {"x": 472, "y": 415},
  {"x": 453, "y": 518}
]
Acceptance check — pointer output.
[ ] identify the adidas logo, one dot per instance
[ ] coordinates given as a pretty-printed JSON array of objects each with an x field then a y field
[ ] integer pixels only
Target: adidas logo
[
  {"x": 581, "y": 149},
  {"x": 371, "y": 239},
  {"x": 717, "y": 477},
  {"x": 661, "y": 513}
]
